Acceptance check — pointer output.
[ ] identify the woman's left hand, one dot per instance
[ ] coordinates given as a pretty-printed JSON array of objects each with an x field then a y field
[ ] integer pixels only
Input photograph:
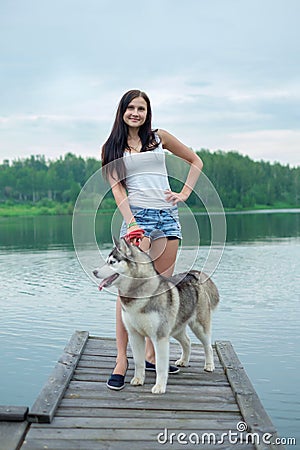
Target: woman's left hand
[{"x": 174, "y": 197}]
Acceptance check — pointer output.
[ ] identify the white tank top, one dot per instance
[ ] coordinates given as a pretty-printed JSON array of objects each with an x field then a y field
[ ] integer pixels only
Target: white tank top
[{"x": 147, "y": 178}]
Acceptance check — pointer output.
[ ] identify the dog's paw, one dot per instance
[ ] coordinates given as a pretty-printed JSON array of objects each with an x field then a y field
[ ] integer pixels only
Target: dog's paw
[
  {"x": 136, "y": 381},
  {"x": 209, "y": 367},
  {"x": 181, "y": 363},
  {"x": 158, "y": 389}
]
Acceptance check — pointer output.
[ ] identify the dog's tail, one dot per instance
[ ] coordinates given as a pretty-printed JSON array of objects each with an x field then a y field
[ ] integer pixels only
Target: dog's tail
[
  {"x": 209, "y": 286},
  {"x": 213, "y": 293}
]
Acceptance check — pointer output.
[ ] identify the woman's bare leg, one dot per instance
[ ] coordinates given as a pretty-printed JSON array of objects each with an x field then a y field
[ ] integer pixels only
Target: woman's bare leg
[
  {"x": 163, "y": 253},
  {"x": 122, "y": 341}
]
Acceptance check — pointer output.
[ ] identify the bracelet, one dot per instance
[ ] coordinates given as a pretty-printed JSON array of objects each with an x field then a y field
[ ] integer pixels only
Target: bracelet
[{"x": 132, "y": 224}]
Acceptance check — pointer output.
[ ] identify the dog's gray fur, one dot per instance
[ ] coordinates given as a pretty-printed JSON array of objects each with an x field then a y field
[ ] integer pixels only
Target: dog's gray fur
[{"x": 159, "y": 307}]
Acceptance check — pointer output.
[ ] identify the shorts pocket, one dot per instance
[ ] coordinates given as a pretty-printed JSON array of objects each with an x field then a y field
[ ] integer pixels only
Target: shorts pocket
[
  {"x": 174, "y": 214},
  {"x": 139, "y": 213}
]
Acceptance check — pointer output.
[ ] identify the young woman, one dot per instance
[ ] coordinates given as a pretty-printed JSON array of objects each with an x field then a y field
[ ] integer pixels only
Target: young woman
[{"x": 133, "y": 160}]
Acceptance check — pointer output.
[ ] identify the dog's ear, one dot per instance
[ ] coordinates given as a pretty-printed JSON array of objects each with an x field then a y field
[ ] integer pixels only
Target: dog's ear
[{"x": 125, "y": 247}]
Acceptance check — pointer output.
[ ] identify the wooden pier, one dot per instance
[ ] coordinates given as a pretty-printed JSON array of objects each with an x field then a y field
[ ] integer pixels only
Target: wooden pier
[{"x": 75, "y": 410}]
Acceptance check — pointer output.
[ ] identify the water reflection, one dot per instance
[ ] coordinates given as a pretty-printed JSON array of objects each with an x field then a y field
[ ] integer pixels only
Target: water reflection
[
  {"x": 38, "y": 233},
  {"x": 258, "y": 226},
  {"x": 44, "y": 232}
]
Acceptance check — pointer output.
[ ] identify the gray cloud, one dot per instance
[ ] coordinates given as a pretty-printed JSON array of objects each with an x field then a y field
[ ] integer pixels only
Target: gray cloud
[{"x": 218, "y": 73}]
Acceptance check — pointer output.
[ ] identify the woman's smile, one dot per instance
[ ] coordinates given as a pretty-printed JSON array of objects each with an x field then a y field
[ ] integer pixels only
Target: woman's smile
[{"x": 136, "y": 112}]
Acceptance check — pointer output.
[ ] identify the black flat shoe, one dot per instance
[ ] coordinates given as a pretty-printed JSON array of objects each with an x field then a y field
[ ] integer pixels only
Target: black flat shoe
[
  {"x": 151, "y": 368},
  {"x": 116, "y": 381}
]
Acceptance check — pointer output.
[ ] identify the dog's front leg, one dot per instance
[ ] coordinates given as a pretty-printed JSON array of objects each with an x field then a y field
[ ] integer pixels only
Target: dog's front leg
[
  {"x": 137, "y": 343},
  {"x": 162, "y": 364}
]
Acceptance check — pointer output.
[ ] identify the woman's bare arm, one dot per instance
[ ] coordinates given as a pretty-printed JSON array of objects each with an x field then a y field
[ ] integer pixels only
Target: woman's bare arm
[{"x": 171, "y": 143}]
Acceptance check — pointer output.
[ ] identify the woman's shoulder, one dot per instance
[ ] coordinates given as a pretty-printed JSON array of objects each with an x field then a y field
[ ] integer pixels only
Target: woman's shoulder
[
  {"x": 166, "y": 138},
  {"x": 162, "y": 135},
  {"x": 160, "y": 132}
]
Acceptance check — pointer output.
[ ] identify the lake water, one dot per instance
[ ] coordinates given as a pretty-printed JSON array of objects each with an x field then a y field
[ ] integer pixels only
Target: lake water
[{"x": 45, "y": 295}]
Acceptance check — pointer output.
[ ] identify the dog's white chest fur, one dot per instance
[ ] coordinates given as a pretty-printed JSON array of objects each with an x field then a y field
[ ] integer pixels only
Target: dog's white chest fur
[{"x": 144, "y": 324}]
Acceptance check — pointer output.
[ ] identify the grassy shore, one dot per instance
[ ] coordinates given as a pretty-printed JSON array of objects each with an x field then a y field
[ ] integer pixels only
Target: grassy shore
[
  {"x": 24, "y": 209},
  {"x": 55, "y": 209}
]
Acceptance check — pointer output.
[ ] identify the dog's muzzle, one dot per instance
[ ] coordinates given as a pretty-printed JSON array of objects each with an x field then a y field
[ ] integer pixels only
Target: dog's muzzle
[{"x": 107, "y": 281}]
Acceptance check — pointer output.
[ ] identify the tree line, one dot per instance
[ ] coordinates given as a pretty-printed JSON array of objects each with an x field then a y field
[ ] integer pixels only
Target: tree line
[
  {"x": 242, "y": 182},
  {"x": 239, "y": 181},
  {"x": 33, "y": 179}
]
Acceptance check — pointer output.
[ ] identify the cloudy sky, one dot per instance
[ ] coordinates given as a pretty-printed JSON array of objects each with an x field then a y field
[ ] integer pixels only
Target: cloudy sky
[{"x": 221, "y": 74}]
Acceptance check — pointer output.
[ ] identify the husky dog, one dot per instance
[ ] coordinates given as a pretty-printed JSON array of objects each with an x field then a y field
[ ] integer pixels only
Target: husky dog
[{"x": 159, "y": 307}]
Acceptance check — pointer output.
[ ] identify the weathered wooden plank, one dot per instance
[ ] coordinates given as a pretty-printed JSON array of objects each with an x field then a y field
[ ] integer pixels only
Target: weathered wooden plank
[
  {"x": 148, "y": 403},
  {"x": 77, "y": 343},
  {"x": 64, "y": 411},
  {"x": 196, "y": 390},
  {"x": 188, "y": 379},
  {"x": 72, "y": 444},
  {"x": 185, "y": 400},
  {"x": 181, "y": 381},
  {"x": 13, "y": 413},
  {"x": 111, "y": 352},
  {"x": 105, "y": 362},
  {"x": 194, "y": 369},
  {"x": 227, "y": 355},
  {"x": 201, "y": 423},
  {"x": 112, "y": 434},
  {"x": 44, "y": 407},
  {"x": 179, "y": 377},
  {"x": 102, "y": 346},
  {"x": 78, "y": 387},
  {"x": 254, "y": 414},
  {"x": 106, "y": 342},
  {"x": 193, "y": 393},
  {"x": 257, "y": 418},
  {"x": 150, "y": 382},
  {"x": 12, "y": 434},
  {"x": 239, "y": 381}
]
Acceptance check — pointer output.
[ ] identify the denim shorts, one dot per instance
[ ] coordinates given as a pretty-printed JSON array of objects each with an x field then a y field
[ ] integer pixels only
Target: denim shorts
[{"x": 156, "y": 223}]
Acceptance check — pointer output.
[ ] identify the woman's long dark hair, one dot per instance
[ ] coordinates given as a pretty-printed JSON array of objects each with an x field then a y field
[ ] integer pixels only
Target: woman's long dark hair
[{"x": 113, "y": 149}]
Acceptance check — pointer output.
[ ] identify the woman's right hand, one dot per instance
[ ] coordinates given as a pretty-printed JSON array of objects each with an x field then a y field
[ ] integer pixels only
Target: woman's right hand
[{"x": 134, "y": 235}]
